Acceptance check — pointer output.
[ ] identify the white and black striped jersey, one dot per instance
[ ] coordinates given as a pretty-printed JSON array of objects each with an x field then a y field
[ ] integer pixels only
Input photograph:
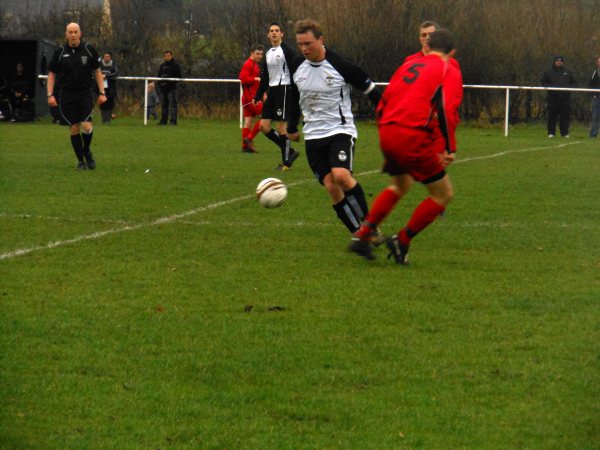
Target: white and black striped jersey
[
  {"x": 275, "y": 69},
  {"x": 321, "y": 92}
]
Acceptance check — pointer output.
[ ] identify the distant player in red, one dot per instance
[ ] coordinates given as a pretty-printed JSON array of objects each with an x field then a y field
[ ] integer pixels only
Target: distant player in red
[
  {"x": 417, "y": 117},
  {"x": 250, "y": 78},
  {"x": 425, "y": 30}
]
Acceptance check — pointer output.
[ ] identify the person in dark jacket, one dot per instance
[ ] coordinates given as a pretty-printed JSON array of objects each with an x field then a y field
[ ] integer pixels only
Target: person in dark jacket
[
  {"x": 109, "y": 73},
  {"x": 595, "y": 84},
  {"x": 559, "y": 102},
  {"x": 168, "y": 89}
]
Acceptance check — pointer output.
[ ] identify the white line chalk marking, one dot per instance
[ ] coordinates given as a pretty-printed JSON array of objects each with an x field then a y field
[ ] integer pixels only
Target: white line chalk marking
[{"x": 175, "y": 217}]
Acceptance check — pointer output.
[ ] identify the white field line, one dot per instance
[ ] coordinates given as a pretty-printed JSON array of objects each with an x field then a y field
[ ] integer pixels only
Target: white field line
[{"x": 191, "y": 212}]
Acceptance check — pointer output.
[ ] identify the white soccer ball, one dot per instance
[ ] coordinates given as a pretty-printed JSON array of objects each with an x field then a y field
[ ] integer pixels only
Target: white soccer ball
[{"x": 271, "y": 193}]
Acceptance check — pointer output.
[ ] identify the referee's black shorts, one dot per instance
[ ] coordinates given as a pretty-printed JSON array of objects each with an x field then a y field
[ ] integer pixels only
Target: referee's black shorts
[
  {"x": 76, "y": 106},
  {"x": 275, "y": 105}
]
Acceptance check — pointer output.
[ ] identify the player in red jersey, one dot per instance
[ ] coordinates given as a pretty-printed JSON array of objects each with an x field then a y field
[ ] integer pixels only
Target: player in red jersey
[
  {"x": 250, "y": 78},
  {"x": 425, "y": 30},
  {"x": 417, "y": 117}
]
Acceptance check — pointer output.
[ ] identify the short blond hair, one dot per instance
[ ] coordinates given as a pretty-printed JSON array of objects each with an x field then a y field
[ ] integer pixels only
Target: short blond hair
[{"x": 306, "y": 25}]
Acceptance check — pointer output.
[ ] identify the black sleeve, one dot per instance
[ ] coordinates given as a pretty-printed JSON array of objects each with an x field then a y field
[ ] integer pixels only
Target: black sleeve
[
  {"x": 95, "y": 58},
  {"x": 354, "y": 76},
  {"x": 114, "y": 72},
  {"x": 293, "y": 106},
  {"x": 53, "y": 66},
  {"x": 178, "y": 73},
  {"x": 264, "y": 80},
  {"x": 544, "y": 79},
  {"x": 289, "y": 54}
]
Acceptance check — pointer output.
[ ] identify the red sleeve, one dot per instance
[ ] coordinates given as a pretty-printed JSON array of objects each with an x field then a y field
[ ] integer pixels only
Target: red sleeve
[
  {"x": 246, "y": 76},
  {"x": 453, "y": 94}
]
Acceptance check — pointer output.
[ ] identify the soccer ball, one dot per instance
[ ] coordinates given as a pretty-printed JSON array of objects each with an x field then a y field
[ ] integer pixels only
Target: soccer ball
[{"x": 271, "y": 192}]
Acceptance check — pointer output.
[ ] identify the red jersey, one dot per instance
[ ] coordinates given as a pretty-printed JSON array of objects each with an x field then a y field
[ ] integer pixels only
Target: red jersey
[
  {"x": 417, "y": 55},
  {"x": 420, "y": 54},
  {"x": 424, "y": 93},
  {"x": 250, "y": 70}
]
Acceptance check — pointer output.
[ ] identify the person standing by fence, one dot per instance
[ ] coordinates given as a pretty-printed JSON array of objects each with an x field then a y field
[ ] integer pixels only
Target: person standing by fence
[
  {"x": 109, "y": 73},
  {"x": 559, "y": 102},
  {"x": 168, "y": 89},
  {"x": 595, "y": 84}
]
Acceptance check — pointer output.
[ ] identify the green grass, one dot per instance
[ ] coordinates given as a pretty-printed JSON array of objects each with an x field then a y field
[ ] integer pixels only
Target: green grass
[{"x": 228, "y": 325}]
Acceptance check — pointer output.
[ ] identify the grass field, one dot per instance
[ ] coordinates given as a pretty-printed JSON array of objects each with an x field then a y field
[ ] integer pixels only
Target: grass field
[{"x": 152, "y": 304}]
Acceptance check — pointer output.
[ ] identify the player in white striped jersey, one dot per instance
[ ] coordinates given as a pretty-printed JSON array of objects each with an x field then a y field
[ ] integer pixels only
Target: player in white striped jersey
[
  {"x": 275, "y": 82},
  {"x": 322, "y": 80}
]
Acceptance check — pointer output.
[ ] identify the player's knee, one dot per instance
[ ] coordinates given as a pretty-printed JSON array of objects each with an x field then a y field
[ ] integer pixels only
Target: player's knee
[
  {"x": 343, "y": 178},
  {"x": 265, "y": 127},
  {"x": 74, "y": 129},
  {"x": 444, "y": 197}
]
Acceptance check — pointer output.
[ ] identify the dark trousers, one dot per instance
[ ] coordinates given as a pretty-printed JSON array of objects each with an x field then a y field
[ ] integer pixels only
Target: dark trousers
[
  {"x": 595, "y": 125},
  {"x": 169, "y": 106},
  {"x": 559, "y": 108},
  {"x": 106, "y": 109}
]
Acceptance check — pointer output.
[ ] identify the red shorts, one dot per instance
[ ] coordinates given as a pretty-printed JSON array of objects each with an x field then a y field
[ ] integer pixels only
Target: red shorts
[
  {"x": 412, "y": 151},
  {"x": 252, "y": 110}
]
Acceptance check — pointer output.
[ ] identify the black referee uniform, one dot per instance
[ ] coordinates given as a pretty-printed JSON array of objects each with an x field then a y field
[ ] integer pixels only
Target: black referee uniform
[{"x": 75, "y": 68}]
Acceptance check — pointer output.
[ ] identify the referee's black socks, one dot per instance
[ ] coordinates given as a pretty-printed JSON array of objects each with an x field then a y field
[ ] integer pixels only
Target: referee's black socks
[
  {"x": 87, "y": 140},
  {"x": 77, "y": 144}
]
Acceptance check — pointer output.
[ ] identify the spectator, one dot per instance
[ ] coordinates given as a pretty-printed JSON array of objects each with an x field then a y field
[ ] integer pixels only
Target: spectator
[
  {"x": 559, "y": 102},
  {"x": 109, "y": 74},
  {"x": 5, "y": 108},
  {"x": 153, "y": 100},
  {"x": 595, "y": 84},
  {"x": 168, "y": 89},
  {"x": 21, "y": 95}
]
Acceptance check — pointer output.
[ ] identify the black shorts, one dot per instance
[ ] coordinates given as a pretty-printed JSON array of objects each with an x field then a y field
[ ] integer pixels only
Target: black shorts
[
  {"x": 76, "y": 106},
  {"x": 326, "y": 153},
  {"x": 275, "y": 105}
]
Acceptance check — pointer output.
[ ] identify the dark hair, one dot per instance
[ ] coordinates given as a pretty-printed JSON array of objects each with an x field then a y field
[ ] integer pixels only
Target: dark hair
[
  {"x": 277, "y": 24},
  {"x": 429, "y": 23},
  {"x": 306, "y": 25},
  {"x": 255, "y": 47},
  {"x": 107, "y": 53},
  {"x": 169, "y": 52},
  {"x": 441, "y": 40}
]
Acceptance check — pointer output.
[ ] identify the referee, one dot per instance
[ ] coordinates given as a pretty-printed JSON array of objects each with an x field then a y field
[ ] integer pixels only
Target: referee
[{"x": 72, "y": 70}]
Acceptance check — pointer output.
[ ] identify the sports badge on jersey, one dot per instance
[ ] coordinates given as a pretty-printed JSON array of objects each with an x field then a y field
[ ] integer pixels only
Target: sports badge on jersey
[
  {"x": 329, "y": 79},
  {"x": 84, "y": 60}
]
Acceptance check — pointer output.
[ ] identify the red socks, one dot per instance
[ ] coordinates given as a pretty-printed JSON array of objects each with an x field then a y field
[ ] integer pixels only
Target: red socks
[
  {"x": 423, "y": 215},
  {"x": 381, "y": 207},
  {"x": 255, "y": 130}
]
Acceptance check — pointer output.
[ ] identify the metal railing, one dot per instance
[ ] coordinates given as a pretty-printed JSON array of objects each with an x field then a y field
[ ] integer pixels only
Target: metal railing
[{"x": 507, "y": 90}]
